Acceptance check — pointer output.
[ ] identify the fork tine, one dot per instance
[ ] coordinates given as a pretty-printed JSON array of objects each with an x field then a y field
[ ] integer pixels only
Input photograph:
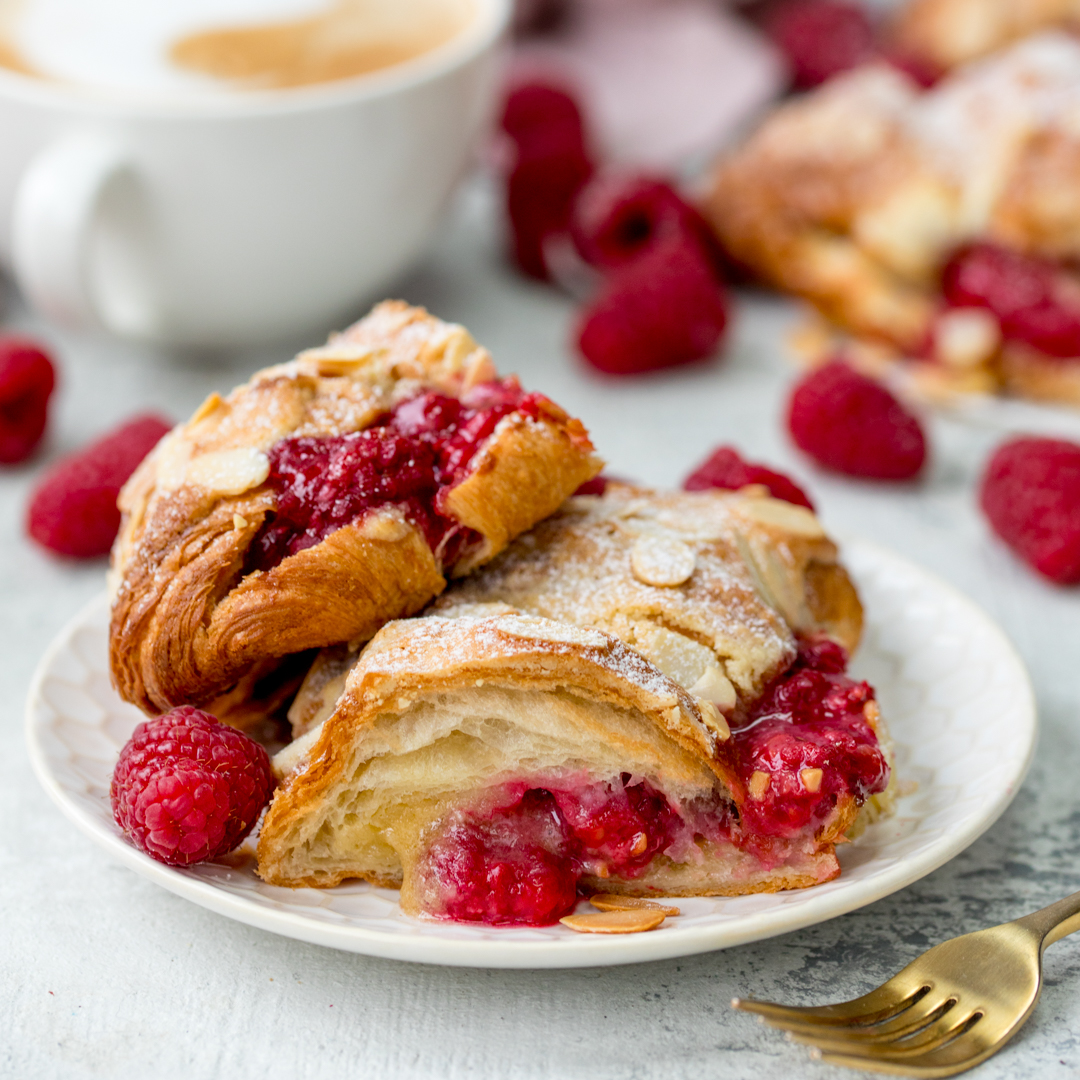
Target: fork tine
[
  {"x": 918, "y": 1039},
  {"x": 901, "y": 992},
  {"x": 928, "y": 1010},
  {"x": 962, "y": 1053}
]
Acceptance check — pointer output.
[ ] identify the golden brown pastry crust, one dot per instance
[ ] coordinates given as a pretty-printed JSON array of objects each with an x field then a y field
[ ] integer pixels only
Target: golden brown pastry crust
[
  {"x": 187, "y": 623},
  {"x": 758, "y": 573},
  {"x": 852, "y": 197},
  {"x": 624, "y": 713},
  {"x": 763, "y": 572},
  {"x": 947, "y": 33}
]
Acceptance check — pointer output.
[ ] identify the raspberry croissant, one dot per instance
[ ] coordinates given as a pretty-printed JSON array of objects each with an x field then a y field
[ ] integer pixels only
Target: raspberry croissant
[
  {"x": 493, "y": 766},
  {"x": 324, "y": 498}
]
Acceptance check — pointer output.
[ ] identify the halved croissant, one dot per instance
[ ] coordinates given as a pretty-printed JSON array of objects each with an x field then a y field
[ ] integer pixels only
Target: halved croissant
[
  {"x": 458, "y": 742},
  {"x": 208, "y": 588}
]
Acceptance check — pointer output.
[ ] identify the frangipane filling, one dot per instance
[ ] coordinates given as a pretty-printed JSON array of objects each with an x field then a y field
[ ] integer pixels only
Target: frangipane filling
[
  {"x": 410, "y": 457},
  {"x": 808, "y": 743}
]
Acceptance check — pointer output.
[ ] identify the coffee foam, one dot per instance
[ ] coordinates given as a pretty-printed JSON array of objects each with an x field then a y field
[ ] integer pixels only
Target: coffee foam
[{"x": 208, "y": 48}]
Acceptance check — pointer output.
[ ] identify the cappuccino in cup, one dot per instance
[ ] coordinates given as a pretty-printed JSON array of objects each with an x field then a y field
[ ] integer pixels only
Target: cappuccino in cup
[{"x": 212, "y": 47}]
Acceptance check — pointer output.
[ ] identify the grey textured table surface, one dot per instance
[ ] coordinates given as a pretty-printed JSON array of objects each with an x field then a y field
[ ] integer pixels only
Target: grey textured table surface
[{"x": 103, "y": 974}]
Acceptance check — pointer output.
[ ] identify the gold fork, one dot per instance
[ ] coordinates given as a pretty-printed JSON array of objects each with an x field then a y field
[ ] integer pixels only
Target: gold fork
[{"x": 945, "y": 1012}]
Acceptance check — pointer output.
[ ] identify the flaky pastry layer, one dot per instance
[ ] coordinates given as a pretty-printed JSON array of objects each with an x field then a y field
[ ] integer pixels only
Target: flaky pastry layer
[
  {"x": 188, "y": 622},
  {"x": 438, "y": 713},
  {"x": 712, "y": 587}
]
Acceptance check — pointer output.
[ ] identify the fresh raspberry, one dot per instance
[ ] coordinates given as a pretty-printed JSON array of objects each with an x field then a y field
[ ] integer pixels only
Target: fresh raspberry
[
  {"x": 27, "y": 378},
  {"x": 853, "y": 425},
  {"x": 821, "y": 38},
  {"x": 916, "y": 68},
  {"x": 1030, "y": 492},
  {"x": 551, "y": 164},
  {"x": 536, "y": 109},
  {"x": 540, "y": 194},
  {"x": 73, "y": 508},
  {"x": 1035, "y": 300},
  {"x": 187, "y": 788},
  {"x": 663, "y": 309},
  {"x": 726, "y": 470},
  {"x": 617, "y": 217}
]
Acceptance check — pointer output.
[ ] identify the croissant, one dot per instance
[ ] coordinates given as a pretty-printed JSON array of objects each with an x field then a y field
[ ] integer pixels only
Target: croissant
[
  {"x": 714, "y": 588},
  {"x": 855, "y": 197},
  {"x": 322, "y": 499},
  {"x": 494, "y": 766},
  {"x": 947, "y": 33}
]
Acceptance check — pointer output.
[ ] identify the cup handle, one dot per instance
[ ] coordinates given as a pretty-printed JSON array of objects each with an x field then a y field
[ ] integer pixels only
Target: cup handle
[{"x": 56, "y": 205}]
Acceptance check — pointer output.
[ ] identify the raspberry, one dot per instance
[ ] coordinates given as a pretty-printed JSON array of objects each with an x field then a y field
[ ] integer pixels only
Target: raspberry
[
  {"x": 1035, "y": 300},
  {"x": 73, "y": 508},
  {"x": 1030, "y": 493},
  {"x": 187, "y": 788},
  {"x": 851, "y": 424},
  {"x": 551, "y": 165},
  {"x": 532, "y": 109},
  {"x": 663, "y": 309},
  {"x": 617, "y": 217},
  {"x": 726, "y": 470},
  {"x": 917, "y": 68},
  {"x": 27, "y": 378},
  {"x": 821, "y": 38}
]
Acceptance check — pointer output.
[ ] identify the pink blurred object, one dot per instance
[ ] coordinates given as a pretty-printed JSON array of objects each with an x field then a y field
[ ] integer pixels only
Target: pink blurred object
[{"x": 660, "y": 80}]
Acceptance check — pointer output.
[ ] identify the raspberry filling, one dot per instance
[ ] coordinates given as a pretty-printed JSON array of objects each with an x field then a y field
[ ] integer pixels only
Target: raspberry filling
[
  {"x": 519, "y": 861},
  {"x": 409, "y": 457},
  {"x": 1035, "y": 300},
  {"x": 807, "y": 744}
]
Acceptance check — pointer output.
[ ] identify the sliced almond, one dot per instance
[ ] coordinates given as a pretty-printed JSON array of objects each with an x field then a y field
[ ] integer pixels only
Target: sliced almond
[
  {"x": 636, "y": 921},
  {"x": 872, "y": 713},
  {"x": 713, "y": 719},
  {"x": 759, "y": 784},
  {"x": 811, "y": 779},
  {"x": 655, "y": 560},
  {"x": 606, "y": 901},
  {"x": 796, "y": 520}
]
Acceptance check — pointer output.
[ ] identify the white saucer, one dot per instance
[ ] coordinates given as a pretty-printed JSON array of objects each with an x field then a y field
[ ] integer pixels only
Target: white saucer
[{"x": 955, "y": 694}]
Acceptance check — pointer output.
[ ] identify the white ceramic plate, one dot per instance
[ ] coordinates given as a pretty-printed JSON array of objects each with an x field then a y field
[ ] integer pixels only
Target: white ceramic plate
[{"x": 955, "y": 694}]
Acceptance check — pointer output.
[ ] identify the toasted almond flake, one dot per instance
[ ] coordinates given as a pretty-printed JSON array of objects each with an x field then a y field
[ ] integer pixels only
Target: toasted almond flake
[
  {"x": 811, "y": 779},
  {"x": 966, "y": 337},
  {"x": 713, "y": 685},
  {"x": 209, "y": 406},
  {"x": 613, "y": 902},
  {"x": 713, "y": 719},
  {"x": 872, "y": 713},
  {"x": 636, "y": 921},
  {"x": 664, "y": 563},
  {"x": 228, "y": 472},
  {"x": 796, "y": 520},
  {"x": 759, "y": 784},
  {"x": 239, "y": 521},
  {"x": 387, "y": 526}
]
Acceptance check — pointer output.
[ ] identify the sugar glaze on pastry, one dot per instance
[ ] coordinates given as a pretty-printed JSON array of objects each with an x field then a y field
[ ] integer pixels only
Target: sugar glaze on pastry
[{"x": 323, "y": 498}]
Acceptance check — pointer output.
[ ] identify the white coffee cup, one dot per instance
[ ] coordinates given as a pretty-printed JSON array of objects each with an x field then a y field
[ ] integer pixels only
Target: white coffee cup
[{"x": 239, "y": 218}]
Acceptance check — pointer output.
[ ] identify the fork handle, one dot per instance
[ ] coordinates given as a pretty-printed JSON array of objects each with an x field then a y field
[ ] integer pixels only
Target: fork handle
[{"x": 1056, "y": 921}]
